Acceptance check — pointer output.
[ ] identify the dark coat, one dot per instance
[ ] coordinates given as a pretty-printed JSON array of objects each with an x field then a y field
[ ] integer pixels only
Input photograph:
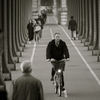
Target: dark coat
[
  {"x": 44, "y": 15},
  {"x": 30, "y": 29},
  {"x": 27, "y": 87},
  {"x": 41, "y": 20},
  {"x": 55, "y": 52},
  {"x": 72, "y": 25}
]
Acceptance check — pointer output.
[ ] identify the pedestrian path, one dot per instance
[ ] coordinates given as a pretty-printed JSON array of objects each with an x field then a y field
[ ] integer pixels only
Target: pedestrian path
[
  {"x": 26, "y": 55},
  {"x": 82, "y": 73}
]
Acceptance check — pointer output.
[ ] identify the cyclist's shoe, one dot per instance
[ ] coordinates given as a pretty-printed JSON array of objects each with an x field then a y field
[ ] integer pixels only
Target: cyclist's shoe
[
  {"x": 52, "y": 79},
  {"x": 63, "y": 89},
  {"x": 74, "y": 38}
]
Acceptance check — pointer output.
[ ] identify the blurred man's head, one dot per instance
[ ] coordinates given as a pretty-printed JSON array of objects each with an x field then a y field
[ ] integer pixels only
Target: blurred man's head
[
  {"x": 57, "y": 36},
  {"x": 72, "y": 17},
  {"x": 26, "y": 66},
  {"x": 30, "y": 21}
]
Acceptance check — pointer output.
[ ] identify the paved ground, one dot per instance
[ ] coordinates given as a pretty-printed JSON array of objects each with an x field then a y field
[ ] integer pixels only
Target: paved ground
[{"x": 82, "y": 74}]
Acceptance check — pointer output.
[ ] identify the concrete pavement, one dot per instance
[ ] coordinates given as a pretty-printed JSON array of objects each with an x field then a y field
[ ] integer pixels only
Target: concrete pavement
[{"x": 82, "y": 73}]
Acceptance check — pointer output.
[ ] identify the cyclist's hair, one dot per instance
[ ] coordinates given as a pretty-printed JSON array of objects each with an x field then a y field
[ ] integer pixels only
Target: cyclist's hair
[{"x": 56, "y": 33}]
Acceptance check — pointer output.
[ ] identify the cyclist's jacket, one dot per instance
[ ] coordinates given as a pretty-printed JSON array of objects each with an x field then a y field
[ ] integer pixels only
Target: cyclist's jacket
[{"x": 57, "y": 52}]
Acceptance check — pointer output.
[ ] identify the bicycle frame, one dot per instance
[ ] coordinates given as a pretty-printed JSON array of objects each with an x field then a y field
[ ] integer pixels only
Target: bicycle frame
[
  {"x": 58, "y": 77},
  {"x": 58, "y": 81}
]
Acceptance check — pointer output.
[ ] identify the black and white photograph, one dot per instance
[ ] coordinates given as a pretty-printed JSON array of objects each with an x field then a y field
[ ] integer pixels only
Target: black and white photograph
[{"x": 49, "y": 49}]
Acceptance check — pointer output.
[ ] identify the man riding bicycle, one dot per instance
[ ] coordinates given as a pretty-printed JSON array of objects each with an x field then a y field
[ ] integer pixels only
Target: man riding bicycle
[{"x": 57, "y": 53}]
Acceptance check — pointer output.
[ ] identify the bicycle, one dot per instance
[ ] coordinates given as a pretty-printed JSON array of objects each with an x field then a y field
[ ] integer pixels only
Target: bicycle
[{"x": 58, "y": 79}]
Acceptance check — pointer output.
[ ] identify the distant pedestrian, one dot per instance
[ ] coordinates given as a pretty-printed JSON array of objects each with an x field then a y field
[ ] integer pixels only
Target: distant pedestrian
[
  {"x": 40, "y": 20},
  {"x": 37, "y": 31},
  {"x": 44, "y": 15},
  {"x": 73, "y": 27},
  {"x": 30, "y": 30},
  {"x": 26, "y": 87}
]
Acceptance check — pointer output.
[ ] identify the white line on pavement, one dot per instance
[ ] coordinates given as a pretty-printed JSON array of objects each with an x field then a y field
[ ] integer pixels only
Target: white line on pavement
[
  {"x": 32, "y": 57},
  {"x": 51, "y": 33},
  {"x": 48, "y": 20},
  {"x": 55, "y": 19},
  {"x": 88, "y": 66}
]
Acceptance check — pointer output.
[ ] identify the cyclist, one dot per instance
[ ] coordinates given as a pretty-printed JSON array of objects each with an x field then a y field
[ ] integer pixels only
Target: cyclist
[{"x": 57, "y": 53}]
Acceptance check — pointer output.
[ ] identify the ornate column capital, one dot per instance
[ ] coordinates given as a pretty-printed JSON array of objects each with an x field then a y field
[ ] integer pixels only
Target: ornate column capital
[
  {"x": 55, "y": 7},
  {"x": 63, "y": 11}
]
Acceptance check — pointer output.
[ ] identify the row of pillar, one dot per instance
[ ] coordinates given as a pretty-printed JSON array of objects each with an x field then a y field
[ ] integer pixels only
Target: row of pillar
[
  {"x": 87, "y": 15},
  {"x": 14, "y": 16},
  {"x": 35, "y": 5},
  {"x": 60, "y": 10}
]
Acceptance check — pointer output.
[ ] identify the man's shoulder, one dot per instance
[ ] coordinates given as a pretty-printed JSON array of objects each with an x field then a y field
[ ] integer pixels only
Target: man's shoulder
[
  {"x": 52, "y": 41},
  {"x": 62, "y": 41},
  {"x": 35, "y": 79},
  {"x": 29, "y": 77},
  {"x": 72, "y": 20}
]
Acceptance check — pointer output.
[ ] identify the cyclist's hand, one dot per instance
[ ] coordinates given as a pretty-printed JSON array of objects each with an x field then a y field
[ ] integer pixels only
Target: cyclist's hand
[
  {"x": 63, "y": 60},
  {"x": 68, "y": 59},
  {"x": 48, "y": 60},
  {"x": 53, "y": 60}
]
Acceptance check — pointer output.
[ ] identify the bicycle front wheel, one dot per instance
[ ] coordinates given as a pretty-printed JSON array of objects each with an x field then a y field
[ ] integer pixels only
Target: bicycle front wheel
[
  {"x": 60, "y": 87},
  {"x": 59, "y": 91},
  {"x": 56, "y": 88}
]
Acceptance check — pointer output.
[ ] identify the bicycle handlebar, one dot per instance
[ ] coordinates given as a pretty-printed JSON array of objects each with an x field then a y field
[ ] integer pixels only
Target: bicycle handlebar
[
  {"x": 53, "y": 60},
  {"x": 64, "y": 60}
]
